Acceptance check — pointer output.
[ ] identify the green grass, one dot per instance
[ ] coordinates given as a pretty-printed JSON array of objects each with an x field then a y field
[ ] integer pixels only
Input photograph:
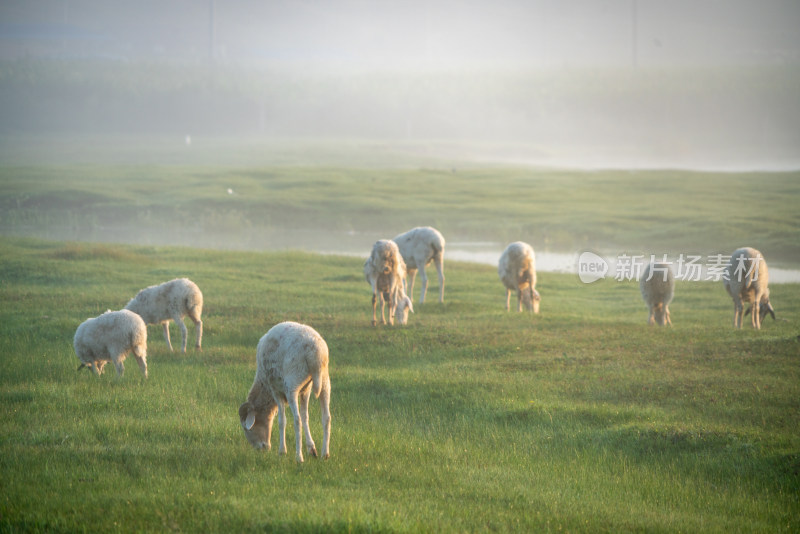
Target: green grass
[
  {"x": 581, "y": 419},
  {"x": 651, "y": 212}
]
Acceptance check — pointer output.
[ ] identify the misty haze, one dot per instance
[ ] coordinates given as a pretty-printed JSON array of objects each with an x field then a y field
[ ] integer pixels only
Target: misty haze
[
  {"x": 620, "y": 83},
  {"x": 710, "y": 85}
]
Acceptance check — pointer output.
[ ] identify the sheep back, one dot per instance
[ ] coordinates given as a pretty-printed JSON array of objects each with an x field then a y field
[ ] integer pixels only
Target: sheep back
[
  {"x": 747, "y": 280},
  {"x": 517, "y": 266},
  {"x": 419, "y": 245},
  {"x": 110, "y": 337},
  {"x": 288, "y": 355},
  {"x": 743, "y": 274},
  {"x": 657, "y": 286},
  {"x": 160, "y": 303}
]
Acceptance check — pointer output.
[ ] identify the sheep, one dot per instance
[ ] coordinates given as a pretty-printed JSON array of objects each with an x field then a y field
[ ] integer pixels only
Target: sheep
[
  {"x": 384, "y": 271},
  {"x": 746, "y": 279},
  {"x": 419, "y": 247},
  {"x": 109, "y": 338},
  {"x": 171, "y": 300},
  {"x": 657, "y": 285},
  {"x": 292, "y": 359},
  {"x": 517, "y": 270}
]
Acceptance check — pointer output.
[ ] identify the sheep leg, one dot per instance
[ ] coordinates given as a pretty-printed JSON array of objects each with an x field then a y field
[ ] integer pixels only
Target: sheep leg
[
  {"x": 383, "y": 306},
  {"x": 325, "y": 408},
  {"x": 142, "y": 363},
  {"x": 508, "y": 299},
  {"x": 96, "y": 368},
  {"x": 651, "y": 320},
  {"x": 438, "y": 261},
  {"x": 374, "y": 305},
  {"x": 756, "y": 311},
  {"x": 519, "y": 300},
  {"x": 298, "y": 440},
  {"x": 281, "y": 426},
  {"x": 118, "y": 364},
  {"x": 412, "y": 274},
  {"x": 303, "y": 399},
  {"x": 198, "y": 328},
  {"x": 392, "y": 304},
  {"x": 666, "y": 315},
  {"x": 184, "y": 331},
  {"x": 165, "y": 324},
  {"x": 424, "y": 281},
  {"x": 737, "y": 313},
  {"x": 270, "y": 419}
]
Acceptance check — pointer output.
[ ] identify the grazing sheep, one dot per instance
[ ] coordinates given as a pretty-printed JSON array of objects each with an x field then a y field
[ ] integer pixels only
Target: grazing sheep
[
  {"x": 171, "y": 300},
  {"x": 419, "y": 247},
  {"x": 292, "y": 359},
  {"x": 517, "y": 270},
  {"x": 657, "y": 286},
  {"x": 109, "y": 338},
  {"x": 385, "y": 270},
  {"x": 746, "y": 279}
]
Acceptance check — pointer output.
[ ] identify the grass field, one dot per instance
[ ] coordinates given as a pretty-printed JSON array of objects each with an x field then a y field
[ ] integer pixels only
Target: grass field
[
  {"x": 223, "y": 194},
  {"x": 580, "y": 419}
]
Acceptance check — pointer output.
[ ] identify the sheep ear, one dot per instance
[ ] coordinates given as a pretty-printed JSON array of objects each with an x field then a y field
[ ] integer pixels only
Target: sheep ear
[
  {"x": 247, "y": 416},
  {"x": 771, "y": 311},
  {"x": 250, "y": 421},
  {"x": 748, "y": 310},
  {"x": 81, "y": 366},
  {"x": 410, "y": 304}
]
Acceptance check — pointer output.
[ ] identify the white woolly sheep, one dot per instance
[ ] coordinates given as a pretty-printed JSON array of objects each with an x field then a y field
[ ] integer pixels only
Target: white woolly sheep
[
  {"x": 746, "y": 279},
  {"x": 517, "y": 270},
  {"x": 109, "y": 338},
  {"x": 171, "y": 300},
  {"x": 292, "y": 359},
  {"x": 657, "y": 286},
  {"x": 419, "y": 247},
  {"x": 384, "y": 271}
]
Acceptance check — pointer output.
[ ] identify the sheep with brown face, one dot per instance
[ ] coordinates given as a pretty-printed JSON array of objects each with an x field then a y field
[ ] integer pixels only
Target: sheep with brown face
[
  {"x": 384, "y": 271},
  {"x": 657, "y": 285},
  {"x": 746, "y": 279},
  {"x": 517, "y": 270},
  {"x": 171, "y": 300},
  {"x": 110, "y": 337},
  {"x": 419, "y": 247},
  {"x": 292, "y": 362}
]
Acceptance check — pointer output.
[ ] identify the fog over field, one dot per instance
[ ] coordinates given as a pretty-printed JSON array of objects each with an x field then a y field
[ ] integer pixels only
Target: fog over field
[{"x": 700, "y": 84}]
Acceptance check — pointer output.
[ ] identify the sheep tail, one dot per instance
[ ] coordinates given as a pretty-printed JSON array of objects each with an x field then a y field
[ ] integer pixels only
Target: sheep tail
[
  {"x": 191, "y": 303},
  {"x": 437, "y": 247},
  {"x": 316, "y": 380}
]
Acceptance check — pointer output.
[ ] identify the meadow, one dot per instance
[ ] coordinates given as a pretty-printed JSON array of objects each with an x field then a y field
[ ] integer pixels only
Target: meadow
[
  {"x": 579, "y": 419},
  {"x": 256, "y": 195}
]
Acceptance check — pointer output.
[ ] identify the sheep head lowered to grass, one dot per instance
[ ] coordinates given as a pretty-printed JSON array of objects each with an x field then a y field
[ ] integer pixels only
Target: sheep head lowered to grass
[
  {"x": 384, "y": 271},
  {"x": 517, "y": 271},
  {"x": 292, "y": 361},
  {"x": 747, "y": 280}
]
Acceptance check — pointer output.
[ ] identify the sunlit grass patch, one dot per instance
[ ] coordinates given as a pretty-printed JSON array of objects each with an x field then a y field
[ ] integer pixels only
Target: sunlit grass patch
[{"x": 471, "y": 418}]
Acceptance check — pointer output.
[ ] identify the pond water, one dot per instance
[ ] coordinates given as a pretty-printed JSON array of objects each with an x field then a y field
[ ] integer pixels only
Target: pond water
[
  {"x": 618, "y": 266},
  {"x": 358, "y": 244}
]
